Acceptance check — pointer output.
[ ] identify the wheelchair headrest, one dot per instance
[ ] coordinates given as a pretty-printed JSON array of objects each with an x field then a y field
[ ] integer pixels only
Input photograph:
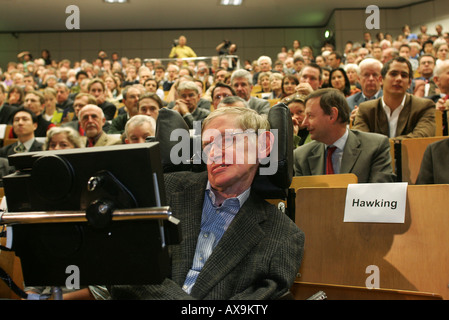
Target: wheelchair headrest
[{"x": 269, "y": 186}]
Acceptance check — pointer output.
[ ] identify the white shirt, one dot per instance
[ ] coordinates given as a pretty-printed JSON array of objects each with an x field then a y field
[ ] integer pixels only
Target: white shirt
[{"x": 393, "y": 116}]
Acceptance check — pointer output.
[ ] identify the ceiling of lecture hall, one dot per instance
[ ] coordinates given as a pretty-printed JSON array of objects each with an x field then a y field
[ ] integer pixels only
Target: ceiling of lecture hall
[{"x": 50, "y": 15}]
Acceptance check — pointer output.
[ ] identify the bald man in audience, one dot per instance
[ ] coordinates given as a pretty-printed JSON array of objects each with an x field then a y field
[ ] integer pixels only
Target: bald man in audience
[{"x": 92, "y": 119}]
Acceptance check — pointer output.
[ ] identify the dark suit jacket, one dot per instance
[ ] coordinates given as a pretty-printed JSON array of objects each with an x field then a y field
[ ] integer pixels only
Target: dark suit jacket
[
  {"x": 9, "y": 149},
  {"x": 109, "y": 110},
  {"x": 257, "y": 258},
  {"x": 367, "y": 155},
  {"x": 6, "y": 114},
  {"x": 434, "y": 164},
  {"x": 357, "y": 99},
  {"x": 262, "y": 106},
  {"x": 417, "y": 118}
]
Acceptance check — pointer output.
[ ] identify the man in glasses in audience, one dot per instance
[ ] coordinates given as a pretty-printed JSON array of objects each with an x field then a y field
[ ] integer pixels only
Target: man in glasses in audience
[
  {"x": 235, "y": 245},
  {"x": 397, "y": 114}
]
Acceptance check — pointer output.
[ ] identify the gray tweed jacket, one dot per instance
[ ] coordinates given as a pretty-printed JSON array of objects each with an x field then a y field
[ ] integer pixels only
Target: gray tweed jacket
[{"x": 257, "y": 258}]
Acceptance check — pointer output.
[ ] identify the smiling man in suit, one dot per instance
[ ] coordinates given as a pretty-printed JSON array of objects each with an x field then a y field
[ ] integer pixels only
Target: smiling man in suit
[
  {"x": 337, "y": 149},
  {"x": 397, "y": 114},
  {"x": 235, "y": 244}
]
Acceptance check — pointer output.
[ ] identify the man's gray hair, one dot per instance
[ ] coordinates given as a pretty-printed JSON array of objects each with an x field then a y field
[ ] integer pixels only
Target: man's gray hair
[
  {"x": 262, "y": 58},
  {"x": 440, "y": 68},
  {"x": 232, "y": 100},
  {"x": 188, "y": 85},
  {"x": 245, "y": 118},
  {"x": 370, "y": 61},
  {"x": 138, "y": 120},
  {"x": 242, "y": 73}
]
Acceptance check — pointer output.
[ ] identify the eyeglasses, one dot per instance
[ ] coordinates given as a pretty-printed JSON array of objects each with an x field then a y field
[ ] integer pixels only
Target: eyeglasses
[
  {"x": 227, "y": 141},
  {"x": 221, "y": 96}
]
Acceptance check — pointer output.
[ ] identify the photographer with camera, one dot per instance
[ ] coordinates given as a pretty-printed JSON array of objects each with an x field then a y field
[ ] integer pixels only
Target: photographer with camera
[{"x": 228, "y": 48}]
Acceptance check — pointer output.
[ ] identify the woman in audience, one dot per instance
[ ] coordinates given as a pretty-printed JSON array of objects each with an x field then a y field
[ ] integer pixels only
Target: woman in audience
[
  {"x": 289, "y": 83},
  {"x": 113, "y": 88},
  {"x": 295, "y": 103},
  {"x": 62, "y": 138},
  {"x": 338, "y": 79},
  {"x": 15, "y": 96},
  {"x": 441, "y": 51},
  {"x": 353, "y": 73},
  {"x": 276, "y": 86},
  {"x": 264, "y": 82},
  {"x": 50, "y": 112}
]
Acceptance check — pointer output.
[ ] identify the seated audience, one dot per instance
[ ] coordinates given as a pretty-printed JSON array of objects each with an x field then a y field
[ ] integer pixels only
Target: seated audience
[
  {"x": 337, "y": 149},
  {"x": 50, "y": 110},
  {"x": 434, "y": 164},
  {"x": 296, "y": 105},
  {"x": 92, "y": 120},
  {"x": 24, "y": 124},
  {"x": 276, "y": 86},
  {"x": 187, "y": 104},
  {"x": 219, "y": 92},
  {"x": 6, "y": 110},
  {"x": 138, "y": 128},
  {"x": 241, "y": 81},
  {"x": 97, "y": 88},
  {"x": 150, "y": 104},
  {"x": 338, "y": 79},
  {"x": 35, "y": 101},
  {"x": 62, "y": 138},
  {"x": 397, "y": 114},
  {"x": 289, "y": 84},
  {"x": 131, "y": 96}
]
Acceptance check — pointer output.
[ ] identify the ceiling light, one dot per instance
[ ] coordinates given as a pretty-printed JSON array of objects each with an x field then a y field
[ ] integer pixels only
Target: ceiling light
[
  {"x": 230, "y": 2},
  {"x": 115, "y": 1}
]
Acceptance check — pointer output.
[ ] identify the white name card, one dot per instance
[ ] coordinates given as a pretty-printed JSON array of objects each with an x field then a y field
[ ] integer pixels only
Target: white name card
[
  {"x": 2, "y": 131},
  {"x": 376, "y": 202}
]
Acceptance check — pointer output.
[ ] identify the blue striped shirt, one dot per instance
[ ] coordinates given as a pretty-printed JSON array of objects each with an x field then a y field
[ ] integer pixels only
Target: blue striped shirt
[{"x": 215, "y": 220}]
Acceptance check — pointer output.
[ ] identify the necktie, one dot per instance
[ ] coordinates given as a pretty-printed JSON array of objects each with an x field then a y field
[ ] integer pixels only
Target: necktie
[
  {"x": 90, "y": 143},
  {"x": 20, "y": 148},
  {"x": 445, "y": 124},
  {"x": 329, "y": 167}
]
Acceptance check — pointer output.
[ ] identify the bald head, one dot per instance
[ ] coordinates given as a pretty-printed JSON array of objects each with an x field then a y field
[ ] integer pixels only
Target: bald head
[{"x": 91, "y": 118}]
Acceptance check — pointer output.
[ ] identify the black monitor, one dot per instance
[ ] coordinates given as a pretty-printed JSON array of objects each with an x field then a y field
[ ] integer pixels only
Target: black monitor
[
  {"x": 61, "y": 180},
  {"x": 102, "y": 251}
]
